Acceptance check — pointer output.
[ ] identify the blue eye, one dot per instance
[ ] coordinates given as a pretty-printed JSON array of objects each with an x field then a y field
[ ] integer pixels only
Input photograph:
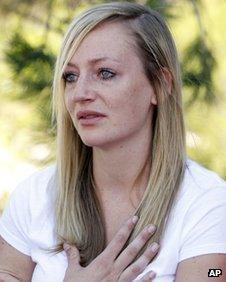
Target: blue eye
[
  {"x": 69, "y": 77},
  {"x": 106, "y": 74}
]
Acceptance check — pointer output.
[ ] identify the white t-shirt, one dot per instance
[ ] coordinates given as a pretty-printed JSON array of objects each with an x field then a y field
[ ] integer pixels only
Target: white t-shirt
[{"x": 196, "y": 226}]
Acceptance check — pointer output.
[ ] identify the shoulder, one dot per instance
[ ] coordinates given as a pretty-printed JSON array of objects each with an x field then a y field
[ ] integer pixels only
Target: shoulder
[
  {"x": 201, "y": 176},
  {"x": 202, "y": 209},
  {"x": 41, "y": 176},
  {"x": 32, "y": 194},
  {"x": 27, "y": 209},
  {"x": 201, "y": 191},
  {"x": 36, "y": 183},
  {"x": 197, "y": 222},
  {"x": 200, "y": 182}
]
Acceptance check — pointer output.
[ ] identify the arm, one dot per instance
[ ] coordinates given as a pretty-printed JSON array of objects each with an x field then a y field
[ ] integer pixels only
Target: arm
[
  {"x": 203, "y": 240},
  {"x": 14, "y": 266},
  {"x": 197, "y": 268}
]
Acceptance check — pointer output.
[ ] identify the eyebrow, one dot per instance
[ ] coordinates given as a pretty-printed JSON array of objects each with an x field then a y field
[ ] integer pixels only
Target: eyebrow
[{"x": 95, "y": 61}]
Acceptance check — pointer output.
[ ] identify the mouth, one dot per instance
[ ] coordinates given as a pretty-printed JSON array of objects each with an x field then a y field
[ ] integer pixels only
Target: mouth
[
  {"x": 90, "y": 120},
  {"x": 90, "y": 117}
]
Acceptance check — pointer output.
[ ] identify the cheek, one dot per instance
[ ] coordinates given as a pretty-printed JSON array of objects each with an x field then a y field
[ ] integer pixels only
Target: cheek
[
  {"x": 69, "y": 102},
  {"x": 136, "y": 102},
  {"x": 129, "y": 112}
]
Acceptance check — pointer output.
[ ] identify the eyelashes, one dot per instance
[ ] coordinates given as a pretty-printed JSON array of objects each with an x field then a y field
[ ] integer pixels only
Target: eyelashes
[
  {"x": 69, "y": 77},
  {"x": 103, "y": 74},
  {"x": 106, "y": 74}
]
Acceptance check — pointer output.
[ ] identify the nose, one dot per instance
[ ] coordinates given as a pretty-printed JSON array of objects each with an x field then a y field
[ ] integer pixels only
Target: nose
[{"x": 84, "y": 89}]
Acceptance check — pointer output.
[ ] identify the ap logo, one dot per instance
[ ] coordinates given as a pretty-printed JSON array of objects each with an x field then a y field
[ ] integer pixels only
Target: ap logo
[{"x": 214, "y": 272}]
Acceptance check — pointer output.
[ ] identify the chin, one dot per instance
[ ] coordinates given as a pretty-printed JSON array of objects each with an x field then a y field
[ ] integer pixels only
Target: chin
[
  {"x": 97, "y": 141},
  {"x": 93, "y": 142}
]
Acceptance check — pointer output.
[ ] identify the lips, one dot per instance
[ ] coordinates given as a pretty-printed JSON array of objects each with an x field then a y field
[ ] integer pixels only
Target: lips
[{"x": 89, "y": 114}]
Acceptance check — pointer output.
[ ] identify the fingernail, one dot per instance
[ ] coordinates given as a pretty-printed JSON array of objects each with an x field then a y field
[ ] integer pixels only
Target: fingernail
[
  {"x": 66, "y": 246},
  {"x": 135, "y": 219},
  {"x": 152, "y": 274},
  {"x": 154, "y": 247},
  {"x": 151, "y": 228}
]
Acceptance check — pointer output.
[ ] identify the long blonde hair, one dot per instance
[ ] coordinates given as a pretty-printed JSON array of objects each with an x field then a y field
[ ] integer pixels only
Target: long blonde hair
[{"x": 78, "y": 215}]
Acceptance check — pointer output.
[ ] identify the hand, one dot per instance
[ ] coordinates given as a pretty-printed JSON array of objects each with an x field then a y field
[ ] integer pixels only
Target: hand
[{"x": 105, "y": 267}]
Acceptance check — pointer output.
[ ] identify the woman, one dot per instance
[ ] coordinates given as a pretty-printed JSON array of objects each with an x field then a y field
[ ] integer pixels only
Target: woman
[{"x": 121, "y": 152}]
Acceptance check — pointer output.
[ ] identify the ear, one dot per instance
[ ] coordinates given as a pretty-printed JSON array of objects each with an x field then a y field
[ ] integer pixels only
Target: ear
[
  {"x": 168, "y": 79},
  {"x": 153, "y": 99}
]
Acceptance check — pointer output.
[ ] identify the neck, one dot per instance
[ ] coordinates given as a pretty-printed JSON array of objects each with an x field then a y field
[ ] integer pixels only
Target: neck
[{"x": 119, "y": 168}]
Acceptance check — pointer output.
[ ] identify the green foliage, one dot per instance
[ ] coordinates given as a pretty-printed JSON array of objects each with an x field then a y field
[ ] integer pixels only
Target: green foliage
[
  {"x": 164, "y": 7},
  {"x": 198, "y": 63},
  {"x": 32, "y": 66},
  {"x": 198, "y": 66}
]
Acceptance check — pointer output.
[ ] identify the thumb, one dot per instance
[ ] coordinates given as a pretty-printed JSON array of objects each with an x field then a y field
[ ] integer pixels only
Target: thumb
[{"x": 73, "y": 255}]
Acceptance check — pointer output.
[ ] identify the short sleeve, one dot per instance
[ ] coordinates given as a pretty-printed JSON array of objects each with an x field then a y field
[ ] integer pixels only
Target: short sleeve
[
  {"x": 204, "y": 229},
  {"x": 15, "y": 221}
]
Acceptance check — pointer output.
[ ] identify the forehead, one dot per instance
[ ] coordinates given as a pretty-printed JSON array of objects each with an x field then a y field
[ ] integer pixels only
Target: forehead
[{"x": 110, "y": 40}]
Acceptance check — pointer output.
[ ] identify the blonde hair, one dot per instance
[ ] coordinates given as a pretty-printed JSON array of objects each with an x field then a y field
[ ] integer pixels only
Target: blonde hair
[{"x": 78, "y": 215}]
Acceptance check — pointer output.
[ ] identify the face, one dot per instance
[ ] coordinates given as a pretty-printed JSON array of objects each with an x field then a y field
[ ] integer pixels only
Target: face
[{"x": 106, "y": 75}]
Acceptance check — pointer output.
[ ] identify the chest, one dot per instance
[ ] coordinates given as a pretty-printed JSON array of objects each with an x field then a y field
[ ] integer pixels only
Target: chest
[
  {"x": 115, "y": 216},
  {"x": 52, "y": 268}
]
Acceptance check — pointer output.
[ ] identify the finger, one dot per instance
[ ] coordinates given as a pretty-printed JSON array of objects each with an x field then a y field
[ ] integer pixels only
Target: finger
[
  {"x": 138, "y": 266},
  {"x": 73, "y": 255},
  {"x": 148, "y": 277},
  {"x": 128, "y": 255},
  {"x": 115, "y": 246}
]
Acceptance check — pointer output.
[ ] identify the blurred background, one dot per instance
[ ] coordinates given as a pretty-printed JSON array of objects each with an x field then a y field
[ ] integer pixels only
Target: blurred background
[{"x": 30, "y": 35}]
